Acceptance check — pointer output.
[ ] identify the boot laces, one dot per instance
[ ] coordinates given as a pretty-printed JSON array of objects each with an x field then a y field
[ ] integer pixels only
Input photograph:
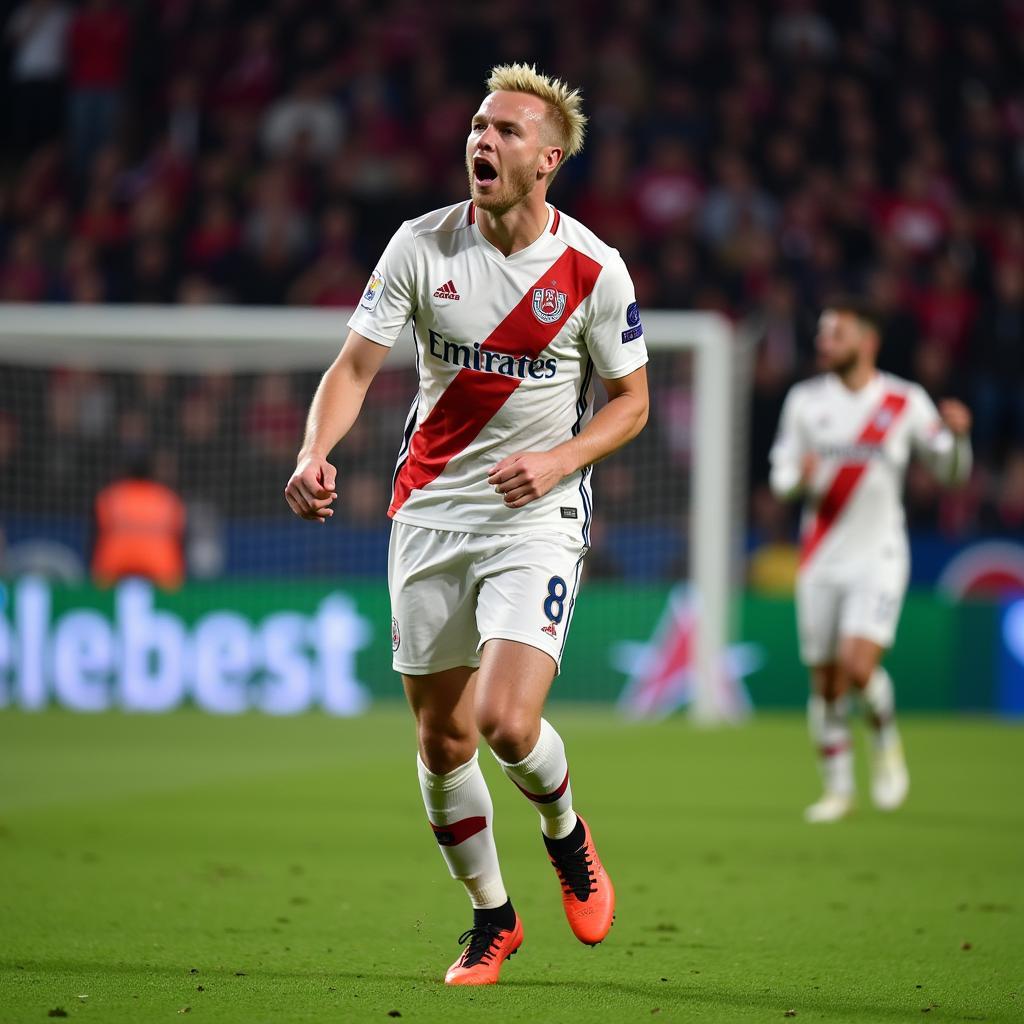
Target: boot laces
[
  {"x": 482, "y": 939},
  {"x": 576, "y": 872}
]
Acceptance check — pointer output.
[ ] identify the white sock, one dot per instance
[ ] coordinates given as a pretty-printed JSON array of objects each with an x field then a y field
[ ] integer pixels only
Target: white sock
[
  {"x": 543, "y": 778},
  {"x": 881, "y": 706},
  {"x": 828, "y": 722},
  {"x": 460, "y": 813}
]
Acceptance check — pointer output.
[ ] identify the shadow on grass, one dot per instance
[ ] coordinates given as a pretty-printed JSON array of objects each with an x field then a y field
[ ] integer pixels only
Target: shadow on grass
[{"x": 664, "y": 995}]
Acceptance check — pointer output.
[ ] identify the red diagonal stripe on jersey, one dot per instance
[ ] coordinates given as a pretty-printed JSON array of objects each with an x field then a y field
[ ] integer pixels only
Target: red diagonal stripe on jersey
[
  {"x": 458, "y": 831},
  {"x": 846, "y": 479},
  {"x": 474, "y": 396}
]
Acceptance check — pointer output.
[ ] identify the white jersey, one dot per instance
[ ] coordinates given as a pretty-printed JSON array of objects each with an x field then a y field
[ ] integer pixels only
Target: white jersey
[
  {"x": 506, "y": 351},
  {"x": 863, "y": 439}
]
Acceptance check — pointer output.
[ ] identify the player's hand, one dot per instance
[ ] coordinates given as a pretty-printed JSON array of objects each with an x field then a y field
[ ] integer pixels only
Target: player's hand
[
  {"x": 956, "y": 416},
  {"x": 809, "y": 469},
  {"x": 526, "y": 476},
  {"x": 310, "y": 490}
]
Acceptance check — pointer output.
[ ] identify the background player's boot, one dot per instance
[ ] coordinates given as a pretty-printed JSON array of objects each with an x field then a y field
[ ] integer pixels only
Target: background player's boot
[
  {"x": 890, "y": 780},
  {"x": 831, "y": 807},
  {"x": 588, "y": 895},
  {"x": 828, "y": 722},
  {"x": 488, "y": 947}
]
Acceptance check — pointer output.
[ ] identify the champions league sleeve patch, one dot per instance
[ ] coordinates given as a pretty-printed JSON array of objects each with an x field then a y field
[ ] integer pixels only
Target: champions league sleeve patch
[
  {"x": 633, "y": 319},
  {"x": 374, "y": 290}
]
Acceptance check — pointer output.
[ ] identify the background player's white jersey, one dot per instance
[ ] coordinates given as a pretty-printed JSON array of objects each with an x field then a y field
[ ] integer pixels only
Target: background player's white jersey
[
  {"x": 507, "y": 348},
  {"x": 863, "y": 439}
]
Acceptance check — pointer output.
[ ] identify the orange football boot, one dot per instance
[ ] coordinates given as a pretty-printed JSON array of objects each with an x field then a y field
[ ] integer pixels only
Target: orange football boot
[
  {"x": 489, "y": 947},
  {"x": 588, "y": 895}
]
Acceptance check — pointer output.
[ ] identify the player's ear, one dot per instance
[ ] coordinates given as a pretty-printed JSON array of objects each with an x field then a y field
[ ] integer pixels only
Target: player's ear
[{"x": 551, "y": 157}]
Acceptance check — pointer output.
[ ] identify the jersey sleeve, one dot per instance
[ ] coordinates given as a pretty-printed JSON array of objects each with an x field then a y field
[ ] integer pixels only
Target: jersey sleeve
[
  {"x": 615, "y": 335},
  {"x": 389, "y": 299},
  {"x": 788, "y": 450},
  {"x": 946, "y": 455}
]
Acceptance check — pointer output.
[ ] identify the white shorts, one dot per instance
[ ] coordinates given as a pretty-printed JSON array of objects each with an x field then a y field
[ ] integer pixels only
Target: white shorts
[
  {"x": 452, "y": 592},
  {"x": 866, "y": 604}
]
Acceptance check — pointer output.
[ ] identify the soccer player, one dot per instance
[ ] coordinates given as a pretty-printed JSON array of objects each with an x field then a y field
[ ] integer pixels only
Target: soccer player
[
  {"x": 515, "y": 308},
  {"x": 843, "y": 444}
]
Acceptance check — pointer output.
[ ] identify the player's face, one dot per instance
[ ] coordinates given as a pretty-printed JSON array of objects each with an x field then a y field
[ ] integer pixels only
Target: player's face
[
  {"x": 505, "y": 150},
  {"x": 842, "y": 341}
]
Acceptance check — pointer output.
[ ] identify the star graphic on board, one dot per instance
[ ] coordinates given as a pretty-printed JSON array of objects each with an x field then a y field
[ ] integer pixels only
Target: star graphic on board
[{"x": 661, "y": 673}]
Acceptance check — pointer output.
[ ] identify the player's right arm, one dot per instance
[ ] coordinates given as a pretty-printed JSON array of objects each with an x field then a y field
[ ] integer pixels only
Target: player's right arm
[
  {"x": 384, "y": 309},
  {"x": 793, "y": 462},
  {"x": 334, "y": 409}
]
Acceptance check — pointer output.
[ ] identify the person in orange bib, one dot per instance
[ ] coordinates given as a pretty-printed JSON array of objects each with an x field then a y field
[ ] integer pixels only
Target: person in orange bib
[{"x": 140, "y": 529}]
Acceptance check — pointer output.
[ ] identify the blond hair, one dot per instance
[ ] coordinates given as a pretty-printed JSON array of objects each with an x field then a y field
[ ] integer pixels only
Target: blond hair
[{"x": 564, "y": 104}]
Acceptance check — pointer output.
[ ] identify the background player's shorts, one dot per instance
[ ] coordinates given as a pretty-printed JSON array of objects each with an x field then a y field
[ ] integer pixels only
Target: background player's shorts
[
  {"x": 829, "y": 607},
  {"x": 451, "y": 592}
]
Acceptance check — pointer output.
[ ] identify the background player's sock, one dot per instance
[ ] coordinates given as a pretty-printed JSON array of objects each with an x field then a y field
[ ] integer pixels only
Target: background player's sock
[
  {"x": 829, "y": 726},
  {"x": 881, "y": 706},
  {"x": 460, "y": 813},
  {"x": 543, "y": 777}
]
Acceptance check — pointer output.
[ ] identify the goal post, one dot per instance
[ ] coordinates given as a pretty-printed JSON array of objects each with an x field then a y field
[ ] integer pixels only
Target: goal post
[{"x": 198, "y": 340}]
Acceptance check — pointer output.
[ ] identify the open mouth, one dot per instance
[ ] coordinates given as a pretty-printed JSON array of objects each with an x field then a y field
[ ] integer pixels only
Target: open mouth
[{"x": 483, "y": 171}]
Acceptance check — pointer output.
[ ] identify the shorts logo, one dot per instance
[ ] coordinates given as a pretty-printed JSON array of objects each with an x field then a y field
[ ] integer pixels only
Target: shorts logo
[
  {"x": 374, "y": 290},
  {"x": 549, "y": 629},
  {"x": 568, "y": 513},
  {"x": 396, "y": 637},
  {"x": 548, "y": 304}
]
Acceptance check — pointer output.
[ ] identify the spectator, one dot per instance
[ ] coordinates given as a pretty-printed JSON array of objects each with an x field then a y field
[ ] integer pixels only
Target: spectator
[
  {"x": 912, "y": 217},
  {"x": 669, "y": 190},
  {"x": 23, "y": 275},
  {"x": 213, "y": 244},
  {"x": 303, "y": 124},
  {"x": 736, "y": 201},
  {"x": 98, "y": 63},
  {"x": 998, "y": 351},
  {"x": 37, "y": 31},
  {"x": 946, "y": 310},
  {"x": 250, "y": 80},
  {"x": 1009, "y": 505},
  {"x": 186, "y": 116}
]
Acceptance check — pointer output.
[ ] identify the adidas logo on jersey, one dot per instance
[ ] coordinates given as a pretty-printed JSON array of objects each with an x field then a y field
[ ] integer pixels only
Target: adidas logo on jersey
[{"x": 447, "y": 291}]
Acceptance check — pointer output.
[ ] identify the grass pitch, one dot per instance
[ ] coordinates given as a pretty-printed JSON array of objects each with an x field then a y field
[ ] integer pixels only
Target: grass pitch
[{"x": 252, "y": 869}]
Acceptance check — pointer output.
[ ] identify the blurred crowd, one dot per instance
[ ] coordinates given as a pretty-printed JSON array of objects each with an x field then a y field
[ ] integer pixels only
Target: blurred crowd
[{"x": 745, "y": 157}]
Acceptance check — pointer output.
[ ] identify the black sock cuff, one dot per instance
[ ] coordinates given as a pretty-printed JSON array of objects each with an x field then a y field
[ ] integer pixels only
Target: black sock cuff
[
  {"x": 567, "y": 844},
  {"x": 503, "y": 916}
]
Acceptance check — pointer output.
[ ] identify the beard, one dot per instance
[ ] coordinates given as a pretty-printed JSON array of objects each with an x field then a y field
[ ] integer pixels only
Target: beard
[
  {"x": 843, "y": 364},
  {"x": 516, "y": 184}
]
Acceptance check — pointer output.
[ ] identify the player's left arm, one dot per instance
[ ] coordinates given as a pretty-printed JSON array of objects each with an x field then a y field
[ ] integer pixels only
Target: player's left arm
[
  {"x": 942, "y": 437},
  {"x": 526, "y": 476}
]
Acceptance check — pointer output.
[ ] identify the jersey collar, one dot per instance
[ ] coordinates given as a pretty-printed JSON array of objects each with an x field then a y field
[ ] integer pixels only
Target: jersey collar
[
  {"x": 537, "y": 245},
  {"x": 869, "y": 389}
]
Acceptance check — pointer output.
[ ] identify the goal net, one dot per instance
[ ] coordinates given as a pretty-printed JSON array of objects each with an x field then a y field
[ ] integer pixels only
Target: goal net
[{"x": 281, "y": 614}]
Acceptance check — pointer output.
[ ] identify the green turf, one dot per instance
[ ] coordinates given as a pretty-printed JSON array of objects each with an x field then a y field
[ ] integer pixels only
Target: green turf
[{"x": 254, "y": 870}]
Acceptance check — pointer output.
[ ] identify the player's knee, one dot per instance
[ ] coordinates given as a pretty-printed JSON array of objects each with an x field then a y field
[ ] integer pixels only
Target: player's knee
[
  {"x": 511, "y": 735},
  {"x": 856, "y": 667},
  {"x": 444, "y": 749}
]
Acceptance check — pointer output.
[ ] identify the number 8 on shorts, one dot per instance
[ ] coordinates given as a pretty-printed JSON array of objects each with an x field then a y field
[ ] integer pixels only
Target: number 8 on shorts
[{"x": 554, "y": 604}]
